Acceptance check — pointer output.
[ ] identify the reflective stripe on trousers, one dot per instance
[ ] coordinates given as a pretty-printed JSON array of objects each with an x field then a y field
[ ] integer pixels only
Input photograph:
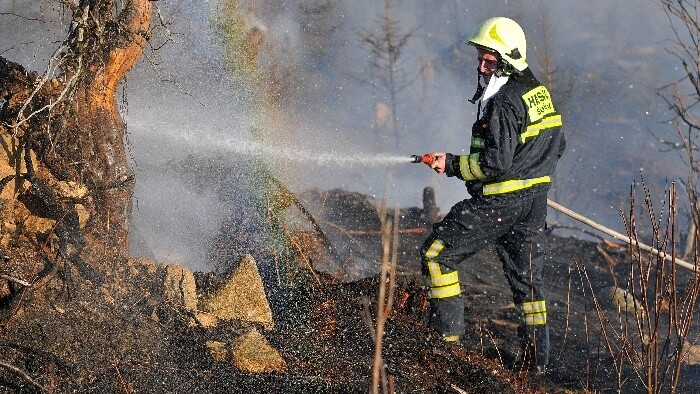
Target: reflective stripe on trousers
[
  {"x": 532, "y": 313},
  {"x": 440, "y": 284}
]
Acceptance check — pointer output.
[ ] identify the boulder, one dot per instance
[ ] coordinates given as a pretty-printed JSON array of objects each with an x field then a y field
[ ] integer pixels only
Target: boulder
[
  {"x": 252, "y": 353},
  {"x": 179, "y": 286},
  {"x": 692, "y": 356},
  {"x": 615, "y": 297},
  {"x": 205, "y": 320},
  {"x": 249, "y": 353},
  {"x": 241, "y": 296}
]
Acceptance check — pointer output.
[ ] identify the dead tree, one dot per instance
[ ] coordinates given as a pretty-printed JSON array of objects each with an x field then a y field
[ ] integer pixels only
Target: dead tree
[
  {"x": 387, "y": 76},
  {"x": 66, "y": 182}
]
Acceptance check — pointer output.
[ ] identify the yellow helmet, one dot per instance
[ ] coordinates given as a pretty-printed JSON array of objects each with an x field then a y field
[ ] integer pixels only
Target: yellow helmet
[{"x": 504, "y": 36}]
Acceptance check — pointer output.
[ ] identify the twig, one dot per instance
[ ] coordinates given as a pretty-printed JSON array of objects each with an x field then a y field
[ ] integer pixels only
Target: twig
[
  {"x": 121, "y": 379},
  {"x": 23, "y": 375},
  {"x": 385, "y": 298},
  {"x": 656, "y": 347},
  {"x": 16, "y": 280},
  {"x": 610, "y": 261},
  {"x": 495, "y": 346},
  {"x": 367, "y": 318},
  {"x": 568, "y": 313}
]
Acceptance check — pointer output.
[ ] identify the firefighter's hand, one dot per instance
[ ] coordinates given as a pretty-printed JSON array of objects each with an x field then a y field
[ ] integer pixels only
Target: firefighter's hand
[{"x": 438, "y": 164}]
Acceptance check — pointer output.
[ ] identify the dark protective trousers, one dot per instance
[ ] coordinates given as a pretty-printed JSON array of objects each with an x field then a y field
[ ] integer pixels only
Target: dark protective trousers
[{"x": 515, "y": 224}]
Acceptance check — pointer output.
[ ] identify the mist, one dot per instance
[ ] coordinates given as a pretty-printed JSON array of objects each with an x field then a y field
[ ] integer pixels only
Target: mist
[{"x": 326, "y": 131}]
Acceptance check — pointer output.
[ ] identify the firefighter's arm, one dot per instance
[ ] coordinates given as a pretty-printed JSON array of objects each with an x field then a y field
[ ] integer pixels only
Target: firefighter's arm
[
  {"x": 452, "y": 168},
  {"x": 452, "y": 165}
]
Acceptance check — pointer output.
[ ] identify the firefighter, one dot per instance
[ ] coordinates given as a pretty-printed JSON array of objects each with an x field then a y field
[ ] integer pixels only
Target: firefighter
[{"x": 516, "y": 142}]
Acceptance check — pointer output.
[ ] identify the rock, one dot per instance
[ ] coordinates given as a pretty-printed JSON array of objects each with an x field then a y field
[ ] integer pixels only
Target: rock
[
  {"x": 179, "y": 286},
  {"x": 692, "y": 356},
  {"x": 249, "y": 353},
  {"x": 615, "y": 297},
  {"x": 241, "y": 296},
  {"x": 70, "y": 189},
  {"x": 206, "y": 320},
  {"x": 252, "y": 353},
  {"x": 83, "y": 214},
  {"x": 219, "y": 351},
  {"x": 39, "y": 224}
]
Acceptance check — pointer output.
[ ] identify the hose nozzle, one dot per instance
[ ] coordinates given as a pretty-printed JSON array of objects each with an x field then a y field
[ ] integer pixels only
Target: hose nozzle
[{"x": 426, "y": 159}]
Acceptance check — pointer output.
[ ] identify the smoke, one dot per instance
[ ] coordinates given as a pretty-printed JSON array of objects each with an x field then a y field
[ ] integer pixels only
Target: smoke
[
  {"x": 329, "y": 111},
  {"x": 183, "y": 102}
]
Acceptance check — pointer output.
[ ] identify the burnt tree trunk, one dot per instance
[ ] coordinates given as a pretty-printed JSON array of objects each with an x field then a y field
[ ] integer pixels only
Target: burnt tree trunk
[{"x": 65, "y": 178}]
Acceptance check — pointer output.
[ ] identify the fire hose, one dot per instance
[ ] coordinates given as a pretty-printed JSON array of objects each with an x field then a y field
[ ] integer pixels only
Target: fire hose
[
  {"x": 619, "y": 236},
  {"x": 430, "y": 159}
]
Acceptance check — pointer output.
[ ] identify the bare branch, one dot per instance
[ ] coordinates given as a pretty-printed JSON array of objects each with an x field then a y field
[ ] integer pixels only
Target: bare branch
[{"x": 24, "y": 375}]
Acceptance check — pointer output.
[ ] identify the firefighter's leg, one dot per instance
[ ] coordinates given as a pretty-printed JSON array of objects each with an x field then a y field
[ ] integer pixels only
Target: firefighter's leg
[
  {"x": 464, "y": 231},
  {"x": 446, "y": 308},
  {"x": 522, "y": 253}
]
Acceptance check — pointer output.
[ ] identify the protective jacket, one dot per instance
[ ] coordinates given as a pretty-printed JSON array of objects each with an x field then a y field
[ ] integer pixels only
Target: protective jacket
[{"x": 515, "y": 145}]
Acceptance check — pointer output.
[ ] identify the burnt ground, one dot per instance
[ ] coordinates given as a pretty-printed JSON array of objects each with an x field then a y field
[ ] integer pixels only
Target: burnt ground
[
  {"x": 341, "y": 344},
  {"x": 122, "y": 337}
]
